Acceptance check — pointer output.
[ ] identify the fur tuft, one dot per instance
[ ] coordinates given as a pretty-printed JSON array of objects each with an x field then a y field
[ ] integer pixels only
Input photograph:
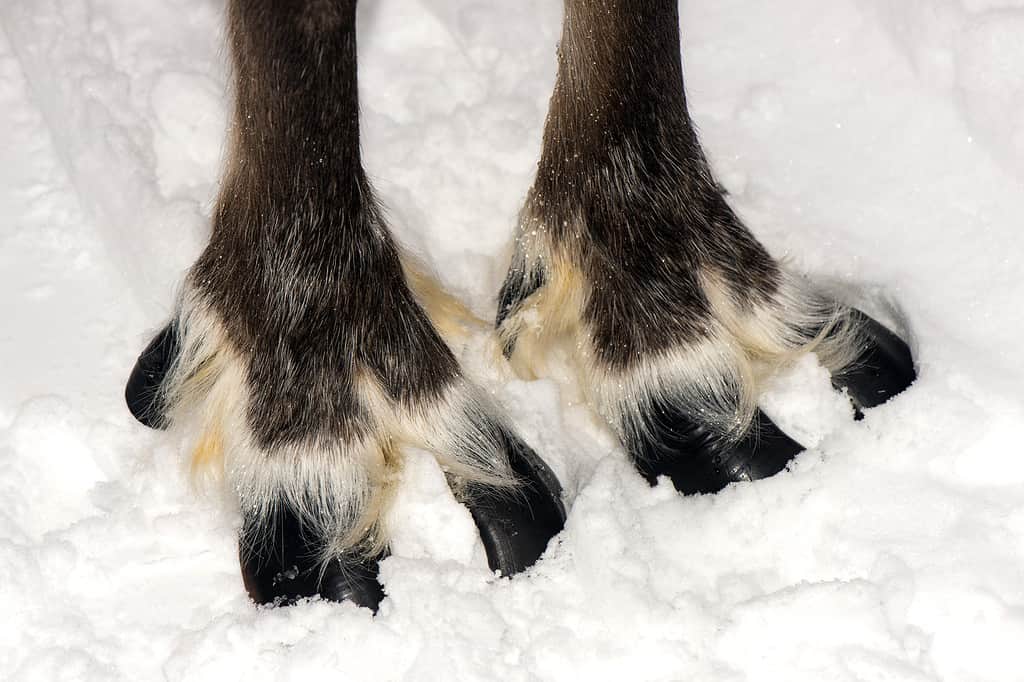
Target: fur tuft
[
  {"x": 450, "y": 316},
  {"x": 716, "y": 377},
  {"x": 339, "y": 491}
]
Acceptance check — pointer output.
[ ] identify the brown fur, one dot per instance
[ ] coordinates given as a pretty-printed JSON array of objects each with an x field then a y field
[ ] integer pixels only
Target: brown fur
[{"x": 627, "y": 251}]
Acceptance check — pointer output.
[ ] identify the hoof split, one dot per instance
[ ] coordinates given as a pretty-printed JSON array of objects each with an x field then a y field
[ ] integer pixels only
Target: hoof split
[
  {"x": 698, "y": 460},
  {"x": 515, "y": 525}
]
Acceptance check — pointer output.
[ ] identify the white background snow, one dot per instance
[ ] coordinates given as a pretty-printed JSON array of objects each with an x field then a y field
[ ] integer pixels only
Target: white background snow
[{"x": 876, "y": 144}]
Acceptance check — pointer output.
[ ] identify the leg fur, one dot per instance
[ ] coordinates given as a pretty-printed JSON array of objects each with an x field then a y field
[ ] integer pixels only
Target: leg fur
[
  {"x": 299, "y": 357},
  {"x": 628, "y": 255}
]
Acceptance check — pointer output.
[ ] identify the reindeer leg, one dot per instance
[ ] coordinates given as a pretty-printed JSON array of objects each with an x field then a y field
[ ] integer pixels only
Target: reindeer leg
[
  {"x": 299, "y": 356},
  {"x": 628, "y": 254}
]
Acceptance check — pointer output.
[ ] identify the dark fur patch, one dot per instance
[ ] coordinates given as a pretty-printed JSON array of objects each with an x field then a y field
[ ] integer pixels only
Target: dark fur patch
[
  {"x": 622, "y": 164},
  {"x": 301, "y": 267}
]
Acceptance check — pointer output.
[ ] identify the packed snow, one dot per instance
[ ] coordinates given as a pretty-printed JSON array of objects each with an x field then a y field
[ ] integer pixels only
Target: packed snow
[{"x": 877, "y": 145}]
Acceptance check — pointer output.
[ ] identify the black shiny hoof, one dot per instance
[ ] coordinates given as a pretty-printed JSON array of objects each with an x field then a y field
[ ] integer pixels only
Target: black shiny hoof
[
  {"x": 289, "y": 570},
  {"x": 143, "y": 394},
  {"x": 699, "y": 460},
  {"x": 515, "y": 527},
  {"x": 884, "y": 366}
]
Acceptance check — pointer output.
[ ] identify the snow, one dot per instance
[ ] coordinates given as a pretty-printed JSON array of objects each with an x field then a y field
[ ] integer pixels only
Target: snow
[{"x": 877, "y": 144}]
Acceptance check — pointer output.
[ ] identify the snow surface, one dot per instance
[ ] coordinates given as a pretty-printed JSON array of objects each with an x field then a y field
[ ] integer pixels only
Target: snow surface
[{"x": 878, "y": 144}]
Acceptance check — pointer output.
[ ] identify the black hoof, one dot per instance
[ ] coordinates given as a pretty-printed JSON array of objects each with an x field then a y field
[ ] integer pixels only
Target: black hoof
[
  {"x": 884, "y": 366},
  {"x": 292, "y": 571},
  {"x": 698, "y": 460},
  {"x": 143, "y": 395},
  {"x": 516, "y": 527}
]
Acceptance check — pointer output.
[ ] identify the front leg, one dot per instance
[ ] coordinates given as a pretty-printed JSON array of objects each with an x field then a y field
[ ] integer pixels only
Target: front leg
[
  {"x": 300, "y": 359},
  {"x": 629, "y": 255}
]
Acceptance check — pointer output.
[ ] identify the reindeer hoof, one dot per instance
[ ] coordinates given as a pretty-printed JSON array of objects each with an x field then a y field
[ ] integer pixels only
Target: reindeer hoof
[
  {"x": 142, "y": 393},
  {"x": 341, "y": 581},
  {"x": 516, "y": 526},
  {"x": 698, "y": 460},
  {"x": 292, "y": 570},
  {"x": 884, "y": 366}
]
